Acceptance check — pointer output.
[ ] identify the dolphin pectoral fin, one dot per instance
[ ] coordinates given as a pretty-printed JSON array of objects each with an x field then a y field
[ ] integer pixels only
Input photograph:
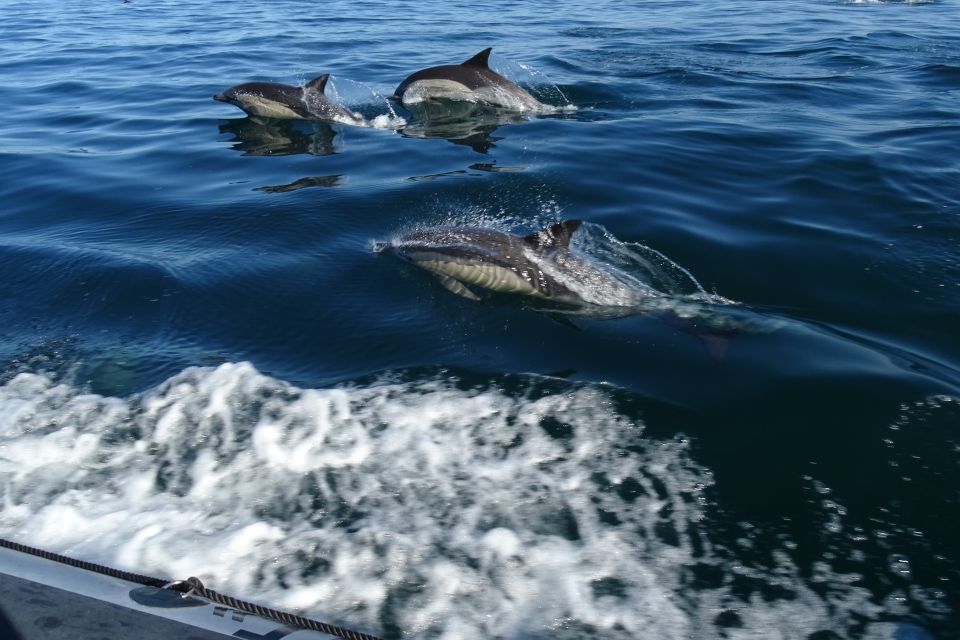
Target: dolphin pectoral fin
[
  {"x": 318, "y": 84},
  {"x": 480, "y": 60},
  {"x": 455, "y": 286}
]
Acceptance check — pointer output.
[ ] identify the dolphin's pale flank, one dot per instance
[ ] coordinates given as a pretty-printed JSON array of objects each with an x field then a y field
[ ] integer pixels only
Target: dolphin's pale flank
[
  {"x": 472, "y": 81},
  {"x": 271, "y": 100},
  {"x": 539, "y": 265}
]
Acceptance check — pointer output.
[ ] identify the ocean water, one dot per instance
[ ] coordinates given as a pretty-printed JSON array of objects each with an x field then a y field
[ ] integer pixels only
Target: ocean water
[{"x": 206, "y": 369}]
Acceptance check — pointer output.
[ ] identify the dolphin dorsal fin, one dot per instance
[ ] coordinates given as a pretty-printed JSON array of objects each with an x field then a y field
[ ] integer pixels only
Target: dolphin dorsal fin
[
  {"x": 556, "y": 235},
  {"x": 319, "y": 83},
  {"x": 480, "y": 60}
]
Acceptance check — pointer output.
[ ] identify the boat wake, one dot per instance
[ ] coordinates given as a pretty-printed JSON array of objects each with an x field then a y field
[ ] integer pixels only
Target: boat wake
[{"x": 423, "y": 506}]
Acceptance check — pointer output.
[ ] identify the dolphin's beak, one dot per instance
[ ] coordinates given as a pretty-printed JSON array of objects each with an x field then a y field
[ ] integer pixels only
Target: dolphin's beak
[{"x": 221, "y": 97}]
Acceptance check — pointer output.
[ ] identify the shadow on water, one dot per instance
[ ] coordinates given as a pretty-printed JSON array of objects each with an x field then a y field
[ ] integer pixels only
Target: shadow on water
[
  {"x": 464, "y": 123},
  {"x": 303, "y": 183},
  {"x": 268, "y": 137},
  {"x": 477, "y": 136}
]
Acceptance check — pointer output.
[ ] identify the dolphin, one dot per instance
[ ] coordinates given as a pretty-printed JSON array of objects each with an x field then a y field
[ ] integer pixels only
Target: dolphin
[
  {"x": 473, "y": 81},
  {"x": 546, "y": 272},
  {"x": 540, "y": 266},
  {"x": 271, "y": 100}
]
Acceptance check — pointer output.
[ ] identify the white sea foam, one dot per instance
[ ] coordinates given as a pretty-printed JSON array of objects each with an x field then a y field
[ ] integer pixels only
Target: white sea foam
[{"x": 427, "y": 507}]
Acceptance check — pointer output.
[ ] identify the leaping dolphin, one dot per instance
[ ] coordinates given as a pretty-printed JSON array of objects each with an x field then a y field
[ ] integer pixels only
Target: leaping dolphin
[
  {"x": 472, "y": 81},
  {"x": 543, "y": 269},
  {"x": 540, "y": 265},
  {"x": 272, "y": 100}
]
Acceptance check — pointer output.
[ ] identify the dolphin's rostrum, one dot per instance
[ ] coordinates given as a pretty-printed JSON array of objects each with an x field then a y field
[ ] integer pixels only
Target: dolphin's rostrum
[
  {"x": 540, "y": 265},
  {"x": 472, "y": 81},
  {"x": 272, "y": 100}
]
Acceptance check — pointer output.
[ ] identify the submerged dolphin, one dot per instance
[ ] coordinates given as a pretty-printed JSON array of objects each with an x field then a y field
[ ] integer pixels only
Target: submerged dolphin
[
  {"x": 472, "y": 81},
  {"x": 271, "y": 100},
  {"x": 540, "y": 265}
]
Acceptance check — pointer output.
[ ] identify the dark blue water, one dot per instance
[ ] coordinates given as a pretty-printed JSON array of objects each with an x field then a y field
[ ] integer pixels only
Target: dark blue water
[{"x": 208, "y": 371}]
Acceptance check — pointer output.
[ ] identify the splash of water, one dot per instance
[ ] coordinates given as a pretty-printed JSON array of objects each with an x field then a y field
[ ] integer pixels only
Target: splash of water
[
  {"x": 418, "y": 506},
  {"x": 366, "y": 103},
  {"x": 608, "y": 272}
]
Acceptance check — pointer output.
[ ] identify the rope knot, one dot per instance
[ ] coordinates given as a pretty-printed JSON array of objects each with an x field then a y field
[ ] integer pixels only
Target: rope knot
[{"x": 186, "y": 587}]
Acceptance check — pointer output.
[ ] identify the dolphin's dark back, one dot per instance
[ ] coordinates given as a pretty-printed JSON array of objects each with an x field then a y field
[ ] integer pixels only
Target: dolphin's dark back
[
  {"x": 487, "y": 244},
  {"x": 473, "y": 74},
  {"x": 468, "y": 77},
  {"x": 465, "y": 242},
  {"x": 282, "y": 93}
]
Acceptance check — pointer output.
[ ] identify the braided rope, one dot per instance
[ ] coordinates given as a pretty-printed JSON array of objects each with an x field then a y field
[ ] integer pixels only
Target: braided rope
[
  {"x": 193, "y": 586},
  {"x": 83, "y": 564}
]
